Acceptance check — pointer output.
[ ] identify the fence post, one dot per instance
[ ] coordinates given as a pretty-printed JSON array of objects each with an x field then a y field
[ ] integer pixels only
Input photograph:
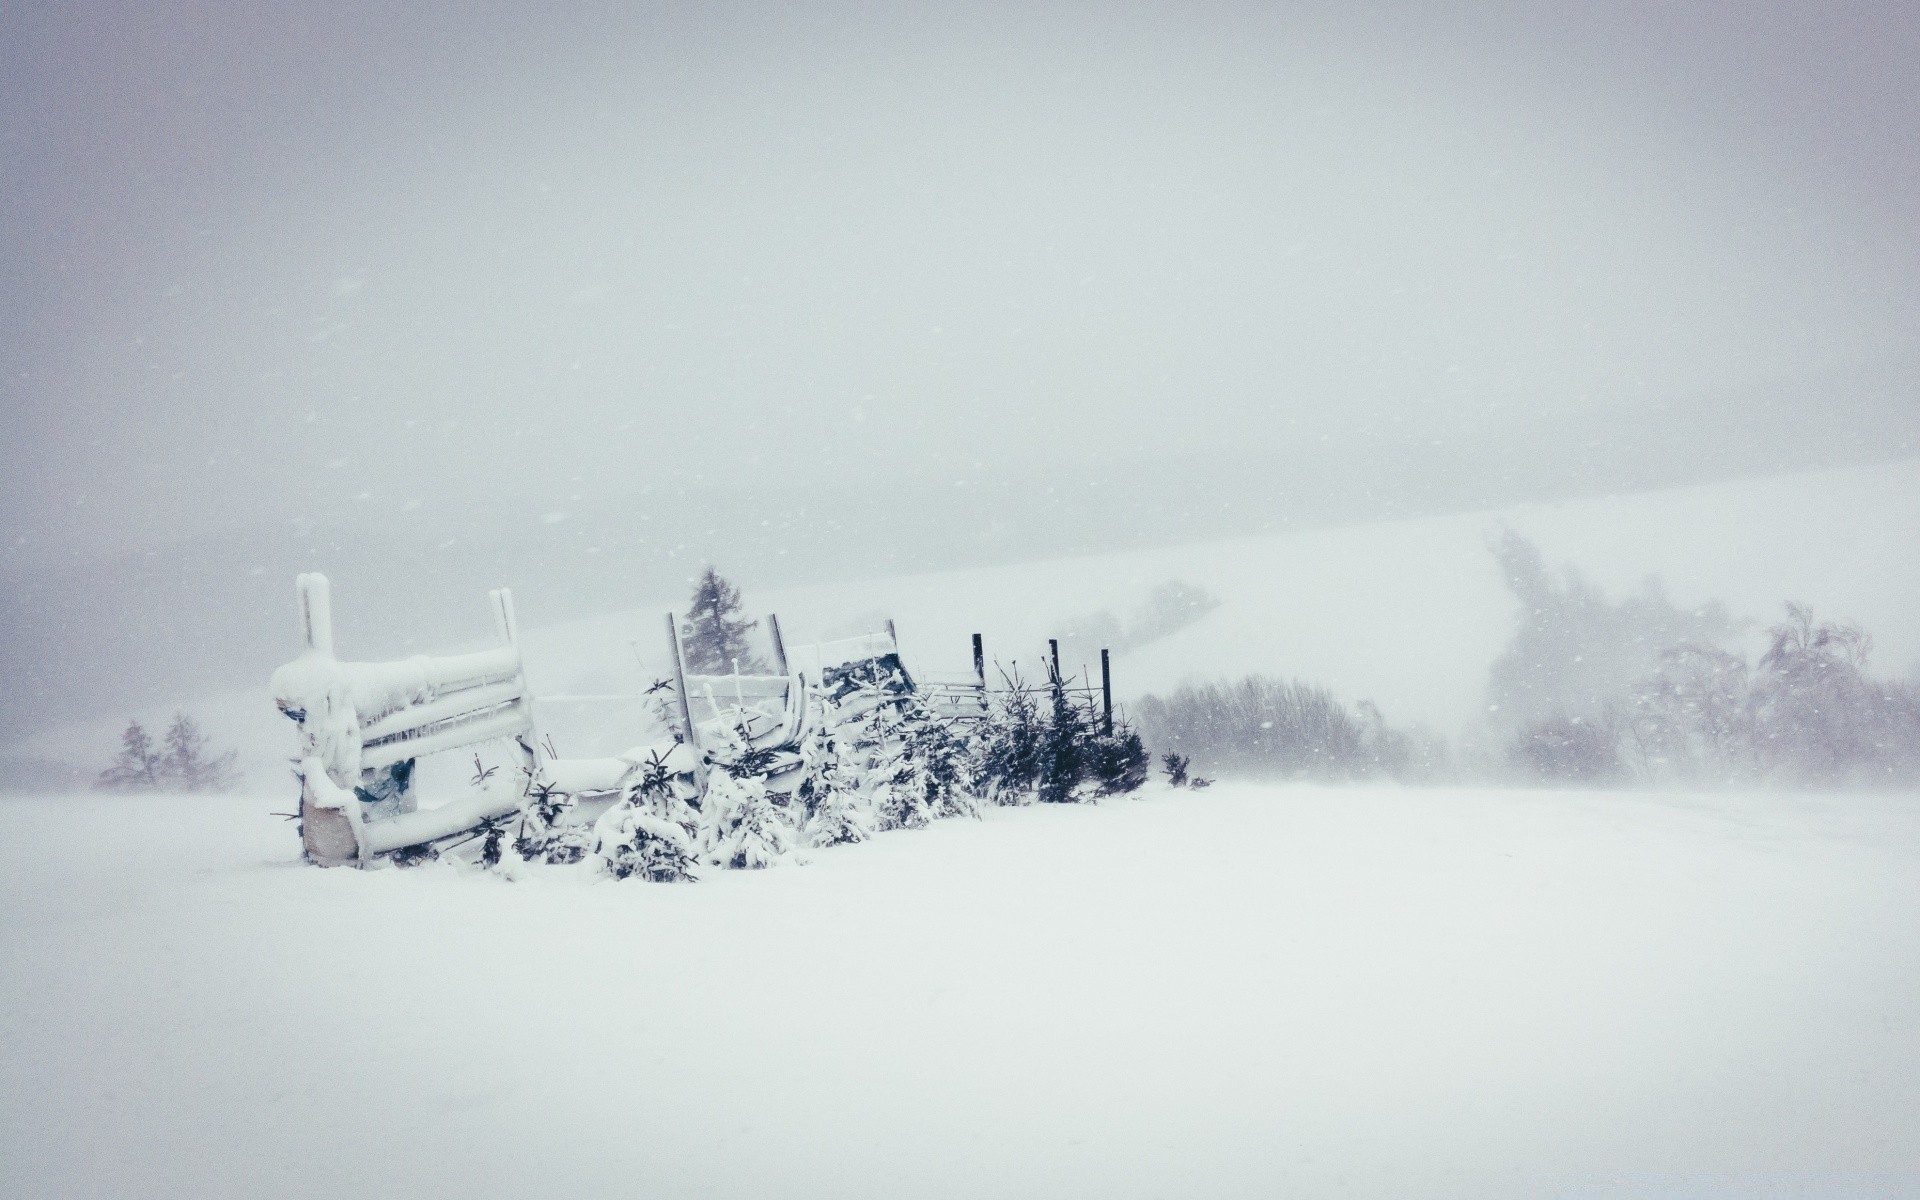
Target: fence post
[
  {"x": 503, "y": 616},
  {"x": 1106, "y": 694},
  {"x": 316, "y": 612},
  {"x": 680, "y": 683},
  {"x": 1053, "y": 660},
  {"x": 980, "y": 661},
  {"x": 779, "y": 643}
]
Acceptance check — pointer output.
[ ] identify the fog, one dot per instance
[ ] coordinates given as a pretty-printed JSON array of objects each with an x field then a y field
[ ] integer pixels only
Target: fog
[{"x": 577, "y": 301}]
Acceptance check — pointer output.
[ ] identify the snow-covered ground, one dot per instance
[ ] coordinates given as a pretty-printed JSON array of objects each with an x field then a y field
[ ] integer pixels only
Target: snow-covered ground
[{"x": 1248, "y": 991}]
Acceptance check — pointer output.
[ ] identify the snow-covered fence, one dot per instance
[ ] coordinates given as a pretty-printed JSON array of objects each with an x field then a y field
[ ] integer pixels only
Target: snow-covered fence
[
  {"x": 363, "y": 725},
  {"x": 728, "y": 715}
]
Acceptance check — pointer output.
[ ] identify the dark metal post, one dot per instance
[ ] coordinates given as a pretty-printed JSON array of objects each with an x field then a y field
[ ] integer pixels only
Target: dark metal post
[
  {"x": 779, "y": 644},
  {"x": 1053, "y": 659},
  {"x": 979, "y": 660},
  {"x": 1106, "y": 694}
]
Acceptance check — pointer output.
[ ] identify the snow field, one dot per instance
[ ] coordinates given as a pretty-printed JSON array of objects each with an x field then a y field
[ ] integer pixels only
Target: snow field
[{"x": 1251, "y": 990}]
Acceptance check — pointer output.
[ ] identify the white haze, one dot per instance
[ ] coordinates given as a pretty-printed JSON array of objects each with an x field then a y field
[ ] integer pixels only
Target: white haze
[{"x": 569, "y": 301}]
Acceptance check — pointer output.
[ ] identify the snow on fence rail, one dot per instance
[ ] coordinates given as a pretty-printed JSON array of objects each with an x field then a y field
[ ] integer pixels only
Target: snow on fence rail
[{"x": 363, "y": 725}]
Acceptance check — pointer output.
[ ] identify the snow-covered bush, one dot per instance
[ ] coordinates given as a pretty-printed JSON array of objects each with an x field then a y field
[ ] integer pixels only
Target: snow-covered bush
[
  {"x": 1583, "y": 750},
  {"x": 747, "y": 828},
  {"x": 1692, "y": 719},
  {"x": 1574, "y": 651},
  {"x": 832, "y": 808},
  {"x": 1007, "y": 744},
  {"x": 650, "y": 833},
  {"x": 1263, "y": 728},
  {"x": 1806, "y": 714},
  {"x": 1117, "y": 763},
  {"x": 546, "y": 832}
]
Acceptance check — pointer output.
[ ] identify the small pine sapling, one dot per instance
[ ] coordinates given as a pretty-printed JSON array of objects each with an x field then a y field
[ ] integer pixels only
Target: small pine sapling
[
  {"x": 899, "y": 799},
  {"x": 1063, "y": 757},
  {"x": 650, "y": 833},
  {"x": 1176, "y": 767},
  {"x": 545, "y": 832},
  {"x": 938, "y": 770},
  {"x": 748, "y": 831},
  {"x": 1007, "y": 744},
  {"x": 829, "y": 792},
  {"x": 1117, "y": 762}
]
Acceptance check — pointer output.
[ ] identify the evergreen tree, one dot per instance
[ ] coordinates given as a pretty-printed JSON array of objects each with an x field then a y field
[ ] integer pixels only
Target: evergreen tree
[
  {"x": 829, "y": 792},
  {"x": 898, "y": 799},
  {"x": 938, "y": 770},
  {"x": 188, "y": 762},
  {"x": 1117, "y": 762},
  {"x": 714, "y": 634},
  {"x": 749, "y": 830},
  {"x": 545, "y": 832},
  {"x": 650, "y": 833},
  {"x": 1063, "y": 750},
  {"x": 137, "y": 769},
  {"x": 1007, "y": 744},
  {"x": 1176, "y": 765}
]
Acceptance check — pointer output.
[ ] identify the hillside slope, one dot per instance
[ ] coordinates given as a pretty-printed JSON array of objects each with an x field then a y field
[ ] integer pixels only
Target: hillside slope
[{"x": 1406, "y": 613}]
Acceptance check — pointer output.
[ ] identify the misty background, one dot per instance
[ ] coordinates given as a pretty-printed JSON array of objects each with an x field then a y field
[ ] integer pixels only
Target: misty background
[{"x": 578, "y": 301}]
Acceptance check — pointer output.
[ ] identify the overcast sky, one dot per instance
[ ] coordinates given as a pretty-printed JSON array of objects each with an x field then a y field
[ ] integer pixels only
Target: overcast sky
[
  {"x": 268, "y": 262},
  {"x": 569, "y": 299}
]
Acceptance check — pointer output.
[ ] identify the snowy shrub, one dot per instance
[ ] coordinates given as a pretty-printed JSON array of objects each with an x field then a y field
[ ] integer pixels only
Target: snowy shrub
[
  {"x": 651, "y": 833},
  {"x": 747, "y": 827},
  {"x": 1819, "y": 718},
  {"x": 1176, "y": 767},
  {"x": 546, "y": 833},
  {"x": 1063, "y": 748},
  {"x": 1692, "y": 719},
  {"x": 635, "y": 842},
  {"x": 1563, "y": 749},
  {"x": 137, "y": 768},
  {"x": 896, "y": 798},
  {"x": 1007, "y": 744},
  {"x": 1574, "y": 653},
  {"x": 1807, "y": 713},
  {"x": 1117, "y": 763},
  {"x": 832, "y": 807},
  {"x": 912, "y": 768},
  {"x": 1261, "y": 727}
]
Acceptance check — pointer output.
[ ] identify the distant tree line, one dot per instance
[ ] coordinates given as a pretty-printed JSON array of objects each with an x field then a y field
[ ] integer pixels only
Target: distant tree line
[
  {"x": 1278, "y": 729},
  {"x": 1589, "y": 690},
  {"x": 183, "y": 761},
  {"x": 1597, "y": 691}
]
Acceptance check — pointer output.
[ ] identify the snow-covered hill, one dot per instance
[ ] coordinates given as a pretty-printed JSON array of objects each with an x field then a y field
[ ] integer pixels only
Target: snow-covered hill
[
  {"x": 1249, "y": 991},
  {"x": 1407, "y": 613}
]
